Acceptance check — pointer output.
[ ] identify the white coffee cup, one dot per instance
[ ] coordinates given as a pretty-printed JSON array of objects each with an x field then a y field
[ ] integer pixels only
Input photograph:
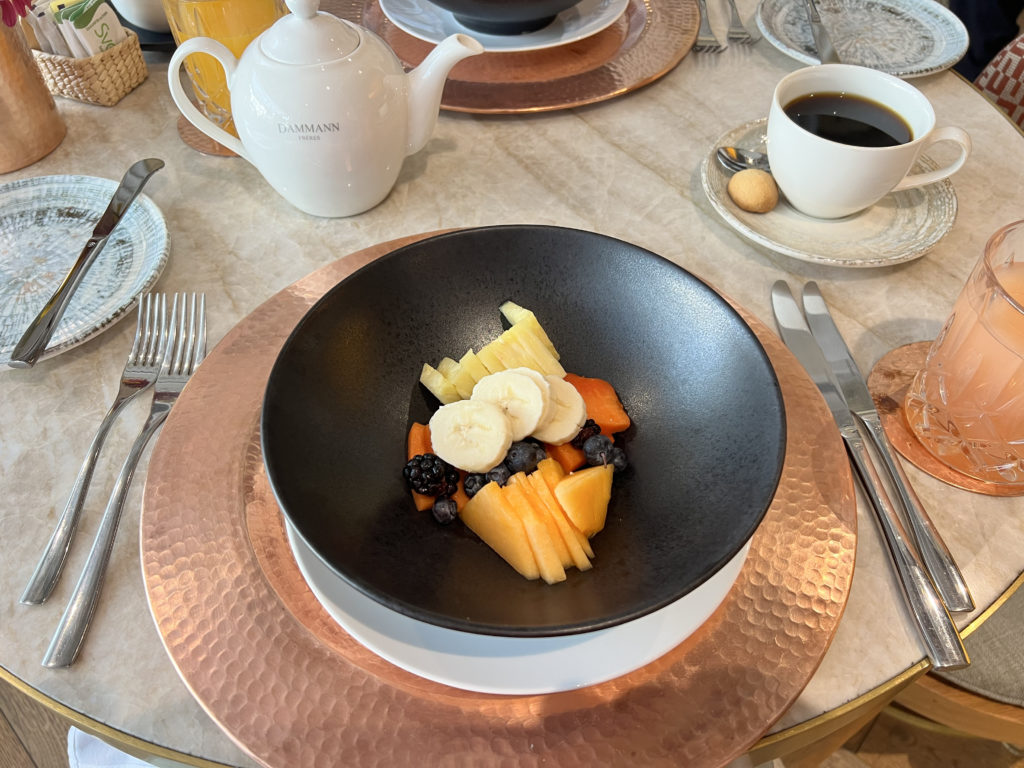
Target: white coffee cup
[{"x": 829, "y": 180}]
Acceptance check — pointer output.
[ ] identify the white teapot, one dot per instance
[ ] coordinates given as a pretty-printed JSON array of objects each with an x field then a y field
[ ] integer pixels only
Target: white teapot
[{"x": 323, "y": 107}]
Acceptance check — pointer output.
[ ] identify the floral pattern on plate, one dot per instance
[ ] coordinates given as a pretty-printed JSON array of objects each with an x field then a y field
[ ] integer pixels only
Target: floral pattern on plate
[
  {"x": 906, "y": 38},
  {"x": 44, "y": 224},
  {"x": 902, "y": 226}
]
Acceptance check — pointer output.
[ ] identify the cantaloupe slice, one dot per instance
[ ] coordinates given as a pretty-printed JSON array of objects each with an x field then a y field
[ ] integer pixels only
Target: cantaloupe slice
[
  {"x": 544, "y": 551},
  {"x": 523, "y": 481},
  {"x": 489, "y": 515},
  {"x": 574, "y": 540},
  {"x": 584, "y": 495},
  {"x": 551, "y": 472}
]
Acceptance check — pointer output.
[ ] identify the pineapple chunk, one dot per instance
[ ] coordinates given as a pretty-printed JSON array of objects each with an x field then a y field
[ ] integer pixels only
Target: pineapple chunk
[
  {"x": 530, "y": 496},
  {"x": 459, "y": 378},
  {"x": 532, "y": 348},
  {"x": 490, "y": 359},
  {"x": 572, "y": 538},
  {"x": 584, "y": 495},
  {"x": 548, "y": 561},
  {"x": 471, "y": 365},
  {"x": 507, "y": 354},
  {"x": 489, "y": 515},
  {"x": 516, "y": 314},
  {"x": 438, "y": 385}
]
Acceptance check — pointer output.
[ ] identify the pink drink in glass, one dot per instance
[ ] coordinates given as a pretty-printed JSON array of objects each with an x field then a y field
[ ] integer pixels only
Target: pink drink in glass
[{"x": 966, "y": 404}]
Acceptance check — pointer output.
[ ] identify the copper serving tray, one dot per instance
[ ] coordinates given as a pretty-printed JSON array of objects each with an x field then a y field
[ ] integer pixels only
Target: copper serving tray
[
  {"x": 646, "y": 42},
  {"x": 292, "y": 689}
]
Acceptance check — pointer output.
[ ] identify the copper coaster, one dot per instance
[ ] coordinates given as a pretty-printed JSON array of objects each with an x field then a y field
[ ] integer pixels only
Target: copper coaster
[
  {"x": 292, "y": 689},
  {"x": 199, "y": 141},
  {"x": 646, "y": 42},
  {"x": 888, "y": 382}
]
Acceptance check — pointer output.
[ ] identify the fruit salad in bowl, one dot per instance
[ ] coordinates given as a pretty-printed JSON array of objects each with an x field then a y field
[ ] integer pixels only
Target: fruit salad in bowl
[
  {"x": 367, "y": 380},
  {"x": 511, "y": 450}
]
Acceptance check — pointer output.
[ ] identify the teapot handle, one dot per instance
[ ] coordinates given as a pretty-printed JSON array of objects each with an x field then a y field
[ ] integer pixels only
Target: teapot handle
[{"x": 228, "y": 61}]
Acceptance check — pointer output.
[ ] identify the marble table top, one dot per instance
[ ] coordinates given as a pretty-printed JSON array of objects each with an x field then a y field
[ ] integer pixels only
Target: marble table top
[{"x": 628, "y": 168}]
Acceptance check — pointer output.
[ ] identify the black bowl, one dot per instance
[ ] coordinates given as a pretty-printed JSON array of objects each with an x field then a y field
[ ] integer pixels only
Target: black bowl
[
  {"x": 705, "y": 449},
  {"x": 505, "y": 17}
]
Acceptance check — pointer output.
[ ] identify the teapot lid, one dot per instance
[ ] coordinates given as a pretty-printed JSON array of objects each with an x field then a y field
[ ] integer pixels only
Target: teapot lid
[{"x": 306, "y": 36}]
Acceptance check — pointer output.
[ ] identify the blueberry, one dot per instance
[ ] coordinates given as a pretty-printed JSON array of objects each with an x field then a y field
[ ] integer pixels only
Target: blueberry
[
  {"x": 474, "y": 483},
  {"x": 618, "y": 459},
  {"x": 500, "y": 474},
  {"x": 445, "y": 510},
  {"x": 597, "y": 450},
  {"x": 588, "y": 430},
  {"x": 524, "y": 456}
]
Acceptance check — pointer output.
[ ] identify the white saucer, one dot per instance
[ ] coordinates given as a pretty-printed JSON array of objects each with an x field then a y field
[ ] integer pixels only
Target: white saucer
[
  {"x": 511, "y": 665},
  {"x": 902, "y": 226},
  {"x": 906, "y": 38},
  {"x": 432, "y": 23},
  {"x": 45, "y": 222}
]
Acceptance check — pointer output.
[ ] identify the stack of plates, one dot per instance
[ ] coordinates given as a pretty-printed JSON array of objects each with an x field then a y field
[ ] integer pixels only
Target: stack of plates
[{"x": 706, "y": 451}]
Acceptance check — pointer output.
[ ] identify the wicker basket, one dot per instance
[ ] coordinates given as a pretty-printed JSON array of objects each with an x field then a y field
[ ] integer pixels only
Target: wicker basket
[{"x": 103, "y": 79}]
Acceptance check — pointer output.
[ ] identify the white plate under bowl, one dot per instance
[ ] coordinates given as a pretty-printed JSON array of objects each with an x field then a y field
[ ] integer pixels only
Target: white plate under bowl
[
  {"x": 426, "y": 21},
  {"x": 44, "y": 224},
  {"x": 906, "y": 38},
  {"x": 511, "y": 665},
  {"x": 902, "y": 226}
]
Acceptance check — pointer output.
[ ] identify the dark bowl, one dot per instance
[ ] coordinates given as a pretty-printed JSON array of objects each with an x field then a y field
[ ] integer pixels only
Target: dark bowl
[
  {"x": 505, "y": 17},
  {"x": 705, "y": 449}
]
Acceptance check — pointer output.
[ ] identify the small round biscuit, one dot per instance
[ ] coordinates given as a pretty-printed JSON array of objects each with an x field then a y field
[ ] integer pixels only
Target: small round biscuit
[{"x": 754, "y": 191}]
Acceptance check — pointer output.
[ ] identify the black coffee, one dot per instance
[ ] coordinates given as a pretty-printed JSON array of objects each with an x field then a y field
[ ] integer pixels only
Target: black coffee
[{"x": 849, "y": 119}]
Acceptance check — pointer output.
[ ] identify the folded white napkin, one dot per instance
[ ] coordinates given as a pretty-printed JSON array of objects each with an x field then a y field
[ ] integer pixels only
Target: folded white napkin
[{"x": 85, "y": 751}]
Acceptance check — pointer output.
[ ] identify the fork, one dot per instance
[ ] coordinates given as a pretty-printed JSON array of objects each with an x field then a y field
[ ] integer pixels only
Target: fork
[
  {"x": 706, "y": 40},
  {"x": 139, "y": 373},
  {"x": 737, "y": 32},
  {"x": 184, "y": 349}
]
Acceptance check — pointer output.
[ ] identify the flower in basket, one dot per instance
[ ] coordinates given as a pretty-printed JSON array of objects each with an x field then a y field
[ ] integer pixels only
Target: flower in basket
[{"x": 12, "y": 9}]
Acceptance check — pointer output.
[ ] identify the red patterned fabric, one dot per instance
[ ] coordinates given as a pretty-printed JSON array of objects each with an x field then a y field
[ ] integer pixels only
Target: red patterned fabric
[{"x": 1003, "y": 80}]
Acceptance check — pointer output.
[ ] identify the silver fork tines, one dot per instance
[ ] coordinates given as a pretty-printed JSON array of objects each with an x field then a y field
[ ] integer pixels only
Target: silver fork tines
[
  {"x": 183, "y": 350},
  {"x": 140, "y": 371},
  {"x": 737, "y": 32},
  {"x": 706, "y": 40}
]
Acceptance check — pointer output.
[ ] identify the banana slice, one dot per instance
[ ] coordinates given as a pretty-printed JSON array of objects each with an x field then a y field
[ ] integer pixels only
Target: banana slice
[
  {"x": 522, "y": 397},
  {"x": 568, "y": 413},
  {"x": 471, "y": 434}
]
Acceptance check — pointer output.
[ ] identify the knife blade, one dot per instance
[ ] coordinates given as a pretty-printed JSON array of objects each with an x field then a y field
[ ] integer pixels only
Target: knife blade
[
  {"x": 33, "y": 342},
  {"x": 827, "y": 53},
  {"x": 941, "y": 638},
  {"x": 936, "y": 556}
]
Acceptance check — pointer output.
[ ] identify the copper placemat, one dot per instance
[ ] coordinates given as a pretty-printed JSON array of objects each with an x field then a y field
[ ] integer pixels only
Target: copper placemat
[
  {"x": 292, "y": 689},
  {"x": 888, "y": 382},
  {"x": 647, "y": 41}
]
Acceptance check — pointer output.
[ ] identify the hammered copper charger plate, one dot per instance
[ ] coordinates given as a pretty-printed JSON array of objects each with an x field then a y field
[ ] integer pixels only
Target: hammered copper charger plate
[
  {"x": 291, "y": 688},
  {"x": 646, "y": 42}
]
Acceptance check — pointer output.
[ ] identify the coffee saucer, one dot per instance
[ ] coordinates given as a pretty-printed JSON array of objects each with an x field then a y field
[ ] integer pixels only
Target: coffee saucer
[
  {"x": 902, "y": 226},
  {"x": 426, "y": 21}
]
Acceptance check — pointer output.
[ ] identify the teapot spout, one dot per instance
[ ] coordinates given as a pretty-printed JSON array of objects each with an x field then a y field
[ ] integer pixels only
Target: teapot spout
[{"x": 426, "y": 83}]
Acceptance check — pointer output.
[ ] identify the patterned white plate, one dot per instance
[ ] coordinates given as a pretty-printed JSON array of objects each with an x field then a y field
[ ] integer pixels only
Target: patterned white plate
[
  {"x": 44, "y": 224},
  {"x": 906, "y": 38},
  {"x": 902, "y": 226},
  {"x": 423, "y": 19}
]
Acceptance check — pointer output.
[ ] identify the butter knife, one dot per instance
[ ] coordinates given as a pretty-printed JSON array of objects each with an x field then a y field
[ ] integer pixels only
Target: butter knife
[
  {"x": 945, "y": 648},
  {"x": 33, "y": 342},
  {"x": 822, "y": 42},
  {"x": 937, "y": 560}
]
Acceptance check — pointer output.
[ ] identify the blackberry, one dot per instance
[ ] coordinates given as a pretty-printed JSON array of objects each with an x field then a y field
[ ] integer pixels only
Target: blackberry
[
  {"x": 430, "y": 475},
  {"x": 597, "y": 450},
  {"x": 474, "y": 483},
  {"x": 588, "y": 430},
  {"x": 524, "y": 456},
  {"x": 445, "y": 510},
  {"x": 500, "y": 474}
]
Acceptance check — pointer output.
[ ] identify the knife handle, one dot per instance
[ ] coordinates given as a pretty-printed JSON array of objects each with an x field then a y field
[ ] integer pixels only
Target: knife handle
[
  {"x": 945, "y": 647},
  {"x": 33, "y": 342},
  {"x": 937, "y": 559}
]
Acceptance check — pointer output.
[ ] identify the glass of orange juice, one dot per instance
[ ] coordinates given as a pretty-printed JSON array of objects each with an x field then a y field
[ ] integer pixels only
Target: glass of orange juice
[
  {"x": 235, "y": 23},
  {"x": 966, "y": 404}
]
